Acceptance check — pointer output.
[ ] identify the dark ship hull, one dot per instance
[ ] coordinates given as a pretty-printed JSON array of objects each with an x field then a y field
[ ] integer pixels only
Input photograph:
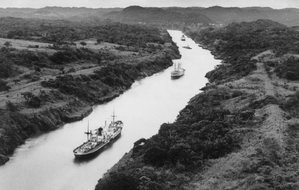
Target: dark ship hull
[
  {"x": 99, "y": 139},
  {"x": 100, "y": 146}
]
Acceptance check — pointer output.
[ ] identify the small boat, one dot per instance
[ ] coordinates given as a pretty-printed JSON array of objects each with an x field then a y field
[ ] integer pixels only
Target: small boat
[
  {"x": 183, "y": 38},
  {"x": 99, "y": 139},
  {"x": 178, "y": 71},
  {"x": 187, "y": 47}
]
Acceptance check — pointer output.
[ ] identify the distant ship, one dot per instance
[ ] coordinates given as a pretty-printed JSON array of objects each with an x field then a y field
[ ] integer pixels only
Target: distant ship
[
  {"x": 99, "y": 139},
  {"x": 187, "y": 47},
  {"x": 178, "y": 71},
  {"x": 183, "y": 38}
]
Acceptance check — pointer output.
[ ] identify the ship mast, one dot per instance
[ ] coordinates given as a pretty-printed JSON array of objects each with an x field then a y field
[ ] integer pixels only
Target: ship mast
[
  {"x": 88, "y": 132},
  {"x": 113, "y": 116}
]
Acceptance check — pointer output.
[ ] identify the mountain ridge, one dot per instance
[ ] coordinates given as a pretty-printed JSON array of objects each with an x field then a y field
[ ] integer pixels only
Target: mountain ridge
[{"x": 161, "y": 15}]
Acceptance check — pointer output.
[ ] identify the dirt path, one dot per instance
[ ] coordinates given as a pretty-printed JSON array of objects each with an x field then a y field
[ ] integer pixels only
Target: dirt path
[
  {"x": 269, "y": 87},
  {"x": 225, "y": 172},
  {"x": 274, "y": 125}
]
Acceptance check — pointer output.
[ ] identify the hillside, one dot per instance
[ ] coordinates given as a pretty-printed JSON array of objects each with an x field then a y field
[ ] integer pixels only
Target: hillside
[
  {"x": 170, "y": 17},
  {"x": 235, "y": 14},
  {"x": 227, "y": 15},
  {"x": 46, "y": 84},
  {"x": 54, "y": 13},
  {"x": 241, "y": 132},
  {"x": 157, "y": 16}
]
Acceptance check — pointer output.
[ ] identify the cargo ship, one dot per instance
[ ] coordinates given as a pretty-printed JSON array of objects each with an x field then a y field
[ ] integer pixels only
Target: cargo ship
[
  {"x": 99, "y": 139},
  {"x": 177, "y": 72}
]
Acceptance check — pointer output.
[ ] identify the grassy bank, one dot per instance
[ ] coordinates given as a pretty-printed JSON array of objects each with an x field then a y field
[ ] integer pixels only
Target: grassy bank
[{"x": 41, "y": 88}]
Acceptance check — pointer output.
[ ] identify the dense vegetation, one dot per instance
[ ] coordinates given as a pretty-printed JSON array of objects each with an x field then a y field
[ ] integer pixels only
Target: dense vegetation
[
  {"x": 291, "y": 105},
  {"x": 237, "y": 43},
  {"x": 92, "y": 88},
  {"x": 288, "y": 68},
  {"x": 269, "y": 161},
  {"x": 66, "y": 32},
  {"x": 203, "y": 130},
  {"x": 61, "y": 36},
  {"x": 11, "y": 57},
  {"x": 58, "y": 82}
]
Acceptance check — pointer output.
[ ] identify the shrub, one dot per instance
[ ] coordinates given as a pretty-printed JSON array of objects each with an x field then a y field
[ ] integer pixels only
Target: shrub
[
  {"x": 31, "y": 99},
  {"x": 71, "y": 70},
  {"x": 7, "y": 44},
  {"x": 155, "y": 156},
  {"x": 236, "y": 93},
  {"x": 37, "y": 69},
  {"x": 83, "y": 44},
  {"x": 11, "y": 107},
  {"x": 289, "y": 69},
  {"x": 33, "y": 46},
  {"x": 117, "y": 181},
  {"x": 6, "y": 69},
  {"x": 3, "y": 85},
  {"x": 61, "y": 57}
]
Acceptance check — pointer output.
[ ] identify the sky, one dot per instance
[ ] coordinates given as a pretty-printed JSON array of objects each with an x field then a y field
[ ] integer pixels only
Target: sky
[{"x": 277, "y": 4}]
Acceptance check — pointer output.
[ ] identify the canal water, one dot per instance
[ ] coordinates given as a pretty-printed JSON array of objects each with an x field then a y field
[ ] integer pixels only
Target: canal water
[{"x": 47, "y": 162}]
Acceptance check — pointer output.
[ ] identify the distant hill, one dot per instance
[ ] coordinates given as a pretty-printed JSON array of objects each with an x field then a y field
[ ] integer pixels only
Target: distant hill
[
  {"x": 211, "y": 15},
  {"x": 223, "y": 15},
  {"x": 163, "y": 16},
  {"x": 70, "y": 13},
  {"x": 169, "y": 16}
]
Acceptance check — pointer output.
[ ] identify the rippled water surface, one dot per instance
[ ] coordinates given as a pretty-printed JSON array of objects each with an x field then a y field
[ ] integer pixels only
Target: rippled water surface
[{"x": 47, "y": 162}]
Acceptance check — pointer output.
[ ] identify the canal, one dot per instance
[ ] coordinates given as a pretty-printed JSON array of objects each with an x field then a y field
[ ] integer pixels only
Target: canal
[{"x": 47, "y": 162}]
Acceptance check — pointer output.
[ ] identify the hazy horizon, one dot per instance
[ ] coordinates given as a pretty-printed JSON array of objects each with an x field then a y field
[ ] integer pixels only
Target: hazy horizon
[{"x": 148, "y": 3}]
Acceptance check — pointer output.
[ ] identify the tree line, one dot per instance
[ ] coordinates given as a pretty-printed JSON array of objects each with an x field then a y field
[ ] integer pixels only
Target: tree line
[{"x": 237, "y": 43}]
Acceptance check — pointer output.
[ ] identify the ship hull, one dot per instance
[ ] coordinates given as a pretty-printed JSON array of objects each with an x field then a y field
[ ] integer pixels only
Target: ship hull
[
  {"x": 177, "y": 74},
  {"x": 97, "y": 149},
  {"x": 91, "y": 153}
]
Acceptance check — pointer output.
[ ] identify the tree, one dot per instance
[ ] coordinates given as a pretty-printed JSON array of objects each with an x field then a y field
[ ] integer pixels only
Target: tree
[
  {"x": 3, "y": 85},
  {"x": 7, "y": 44},
  {"x": 31, "y": 99},
  {"x": 11, "y": 107},
  {"x": 83, "y": 43},
  {"x": 118, "y": 181}
]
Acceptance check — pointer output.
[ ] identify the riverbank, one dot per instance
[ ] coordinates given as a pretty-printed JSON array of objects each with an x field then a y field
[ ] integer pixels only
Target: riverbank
[
  {"x": 46, "y": 99},
  {"x": 239, "y": 133},
  {"x": 171, "y": 159}
]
